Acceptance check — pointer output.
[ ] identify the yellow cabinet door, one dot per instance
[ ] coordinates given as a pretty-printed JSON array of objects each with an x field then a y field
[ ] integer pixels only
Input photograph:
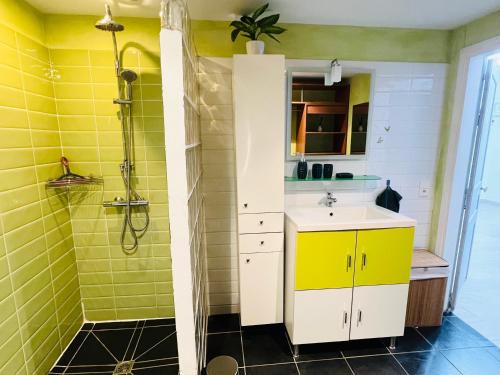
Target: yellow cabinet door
[
  {"x": 383, "y": 256},
  {"x": 324, "y": 260}
]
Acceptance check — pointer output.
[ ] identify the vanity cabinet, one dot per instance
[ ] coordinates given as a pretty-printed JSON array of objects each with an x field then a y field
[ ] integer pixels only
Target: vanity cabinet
[
  {"x": 346, "y": 285},
  {"x": 259, "y": 119}
]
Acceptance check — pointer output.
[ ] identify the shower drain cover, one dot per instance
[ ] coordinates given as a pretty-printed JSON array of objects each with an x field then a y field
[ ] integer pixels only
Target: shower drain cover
[{"x": 123, "y": 368}]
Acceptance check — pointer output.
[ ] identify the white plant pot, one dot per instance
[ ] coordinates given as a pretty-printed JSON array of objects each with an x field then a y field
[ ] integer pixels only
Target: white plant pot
[{"x": 255, "y": 47}]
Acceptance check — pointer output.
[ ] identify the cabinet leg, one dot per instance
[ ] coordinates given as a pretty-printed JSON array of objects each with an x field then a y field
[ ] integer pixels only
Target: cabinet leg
[
  {"x": 295, "y": 351},
  {"x": 392, "y": 345}
]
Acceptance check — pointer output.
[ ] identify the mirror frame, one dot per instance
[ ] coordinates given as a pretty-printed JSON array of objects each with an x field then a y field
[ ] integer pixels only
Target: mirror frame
[{"x": 322, "y": 66}]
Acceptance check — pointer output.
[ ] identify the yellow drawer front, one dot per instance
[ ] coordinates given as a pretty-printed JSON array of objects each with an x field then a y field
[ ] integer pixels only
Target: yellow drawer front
[
  {"x": 383, "y": 256},
  {"x": 325, "y": 260}
]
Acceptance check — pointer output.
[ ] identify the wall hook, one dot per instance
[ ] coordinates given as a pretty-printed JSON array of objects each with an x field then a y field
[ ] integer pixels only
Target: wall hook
[
  {"x": 387, "y": 128},
  {"x": 380, "y": 140}
]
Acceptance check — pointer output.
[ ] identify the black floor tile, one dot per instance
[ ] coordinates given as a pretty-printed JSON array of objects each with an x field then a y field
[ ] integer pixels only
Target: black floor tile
[
  {"x": 156, "y": 343},
  {"x": 117, "y": 341},
  {"x": 225, "y": 344},
  {"x": 376, "y": 365},
  {"x": 57, "y": 370},
  {"x": 87, "y": 326},
  {"x": 223, "y": 323},
  {"x": 451, "y": 336},
  {"x": 285, "y": 369},
  {"x": 357, "y": 348},
  {"x": 412, "y": 341},
  {"x": 331, "y": 367},
  {"x": 72, "y": 348},
  {"x": 156, "y": 363},
  {"x": 92, "y": 353},
  {"x": 473, "y": 361},
  {"x": 319, "y": 351},
  {"x": 426, "y": 363},
  {"x": 97, "y": 370},
  {"x": 115, "y": 325},
  {"x": 265, "y": 345},
  {"x": 161, "y": 370},
  {"x": 159, "y": 322},
  {"x": 134, "y": 342}
]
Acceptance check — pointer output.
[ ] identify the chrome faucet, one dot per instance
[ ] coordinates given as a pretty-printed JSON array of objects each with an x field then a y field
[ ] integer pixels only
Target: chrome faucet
[{"x": 330, "y": 199}]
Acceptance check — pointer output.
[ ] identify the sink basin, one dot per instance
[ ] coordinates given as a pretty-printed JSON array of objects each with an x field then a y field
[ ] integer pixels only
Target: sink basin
[{"x": 310, "y": 219}]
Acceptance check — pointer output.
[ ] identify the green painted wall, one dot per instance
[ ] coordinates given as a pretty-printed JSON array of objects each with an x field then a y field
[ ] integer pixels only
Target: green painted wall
[
  {"x": 326, "y": 42},
  {"x": 40, "y": 309},
  {"x": 114, "y": 285},
  {"x": 472, "y": 33}
]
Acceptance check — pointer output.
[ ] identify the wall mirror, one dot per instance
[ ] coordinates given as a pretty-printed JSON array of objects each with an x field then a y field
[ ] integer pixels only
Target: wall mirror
[{"x": 328, "y": 122}]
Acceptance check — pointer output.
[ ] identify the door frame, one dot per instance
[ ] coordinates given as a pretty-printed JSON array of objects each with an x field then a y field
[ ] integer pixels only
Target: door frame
[{"x": 469, "y": 76}]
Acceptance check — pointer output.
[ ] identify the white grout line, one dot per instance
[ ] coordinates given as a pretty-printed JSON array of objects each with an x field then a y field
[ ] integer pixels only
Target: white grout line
[
  {"x": 399, "y": 363},
  {"x": 242, "y": 348},
  {"x": 420, "y": 333},
  {"x": 347, "y": 362}
]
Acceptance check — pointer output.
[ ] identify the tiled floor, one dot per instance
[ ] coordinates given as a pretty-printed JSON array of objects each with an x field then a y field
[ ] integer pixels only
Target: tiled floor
[
  {"x": 453, "y": 349},
  {"x": 150, "y": 348},
  {"x": 477, "y": 305},
  {"x": 137, "y": 347}
]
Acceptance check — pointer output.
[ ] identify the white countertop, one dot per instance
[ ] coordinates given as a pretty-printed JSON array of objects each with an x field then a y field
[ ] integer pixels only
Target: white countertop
[{"x": 322, "y": 218}]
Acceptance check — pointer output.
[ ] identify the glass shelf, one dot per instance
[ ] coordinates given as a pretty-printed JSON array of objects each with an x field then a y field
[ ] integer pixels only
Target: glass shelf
[{"x": 363, "y": 177}]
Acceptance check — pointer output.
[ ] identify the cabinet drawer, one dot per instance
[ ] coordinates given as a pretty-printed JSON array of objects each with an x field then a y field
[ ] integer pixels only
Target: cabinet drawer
[
  {"x": 260, "y": 243},
  {"x": 261, "y": 223},
  {"x": 261, "y": 288}
]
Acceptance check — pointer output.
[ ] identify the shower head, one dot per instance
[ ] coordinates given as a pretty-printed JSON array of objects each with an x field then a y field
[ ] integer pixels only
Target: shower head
[
  {"x": 107, "y": 23},
  {"x": 128, "y": 75}
]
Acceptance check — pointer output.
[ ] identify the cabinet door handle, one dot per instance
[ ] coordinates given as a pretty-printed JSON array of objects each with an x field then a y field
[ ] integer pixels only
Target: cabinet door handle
[
  {"x": 261, "y": 222},
  {"x": 261, "y": 243},
  {"x": 363, "y": 261},
  {"x": 349, "y": 262},
  {"x": 344, "y": 320},
  {"x": 245, "y": 205},
  {"x": 248, "y": 260},
  {"x": 360, "y": 316}
]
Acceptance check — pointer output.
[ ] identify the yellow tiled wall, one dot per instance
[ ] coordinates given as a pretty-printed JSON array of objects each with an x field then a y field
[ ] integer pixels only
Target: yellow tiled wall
[
  {"x": 40, "y": 308},
  {"x": 114, "y": 285},
  {"x": 58, "y": 248}
]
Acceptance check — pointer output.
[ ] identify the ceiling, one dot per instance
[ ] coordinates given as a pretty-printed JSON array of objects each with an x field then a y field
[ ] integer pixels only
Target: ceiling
[{"x": 435, "y": 14}]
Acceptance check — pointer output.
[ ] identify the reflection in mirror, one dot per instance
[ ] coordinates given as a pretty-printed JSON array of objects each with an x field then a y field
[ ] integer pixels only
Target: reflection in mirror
[{"x": 328, "y": 120}]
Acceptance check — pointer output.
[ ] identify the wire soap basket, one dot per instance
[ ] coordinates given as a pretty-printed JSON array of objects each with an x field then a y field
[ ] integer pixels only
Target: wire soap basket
[{"x": 72, "y": 179}]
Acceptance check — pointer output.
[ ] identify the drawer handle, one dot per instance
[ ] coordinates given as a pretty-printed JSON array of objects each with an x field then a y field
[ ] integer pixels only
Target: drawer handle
[
  {"x": 349, "y": 262},
  {"x": 261, "y": 222},
  {"x": 344, "y": 320},
  {"x": 245, "y": 205},
  {"x": 248, "y": 260},
  {"x": 261, "y": 243},
  {"x": 360, "y": 316},
  {"x": 363, "y": 261}
]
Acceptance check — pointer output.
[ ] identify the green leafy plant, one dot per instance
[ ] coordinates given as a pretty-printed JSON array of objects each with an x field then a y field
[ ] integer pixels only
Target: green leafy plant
[{"x": 252, "y": 27}]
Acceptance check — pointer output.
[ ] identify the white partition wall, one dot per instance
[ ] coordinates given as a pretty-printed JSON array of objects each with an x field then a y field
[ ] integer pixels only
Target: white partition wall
[{"x": 184, "y": 173}]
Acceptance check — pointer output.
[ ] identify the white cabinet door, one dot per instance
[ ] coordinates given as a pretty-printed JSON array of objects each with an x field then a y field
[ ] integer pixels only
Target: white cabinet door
[
  {"x": 321, "y": 316},
  {"x": 378, "y": 311},
  {"x": 261, "y": 288},
  {"x": 259, "y": 117}
]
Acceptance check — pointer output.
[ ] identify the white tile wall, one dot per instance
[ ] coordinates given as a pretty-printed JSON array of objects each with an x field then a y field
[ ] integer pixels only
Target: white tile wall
[{"x": 407, "y": 97}]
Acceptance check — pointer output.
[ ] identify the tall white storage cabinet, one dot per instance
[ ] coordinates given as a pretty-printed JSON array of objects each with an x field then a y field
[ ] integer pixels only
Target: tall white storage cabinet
[{"x": 259, "y": 115}]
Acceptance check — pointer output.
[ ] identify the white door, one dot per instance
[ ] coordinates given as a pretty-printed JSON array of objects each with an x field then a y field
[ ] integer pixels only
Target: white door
[
  {"x": 474, "y": 182},
  {"x": 378, "y": 311},
  {"x": 261, "y": 288},
  {"x": 321, "y": 316},
  {"x": 259, "y": 116}
]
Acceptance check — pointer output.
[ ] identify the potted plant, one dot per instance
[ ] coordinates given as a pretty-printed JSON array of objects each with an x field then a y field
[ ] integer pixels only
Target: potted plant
[{"x": 253, "y": 26}]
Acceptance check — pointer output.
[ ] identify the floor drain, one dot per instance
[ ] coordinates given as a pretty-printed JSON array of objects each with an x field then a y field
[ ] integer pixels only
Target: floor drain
[{"x": 123, "y": 368}]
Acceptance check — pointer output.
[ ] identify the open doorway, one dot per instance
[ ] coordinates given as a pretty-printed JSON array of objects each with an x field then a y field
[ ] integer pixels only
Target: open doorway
[{"x": 477, "y": 273}]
